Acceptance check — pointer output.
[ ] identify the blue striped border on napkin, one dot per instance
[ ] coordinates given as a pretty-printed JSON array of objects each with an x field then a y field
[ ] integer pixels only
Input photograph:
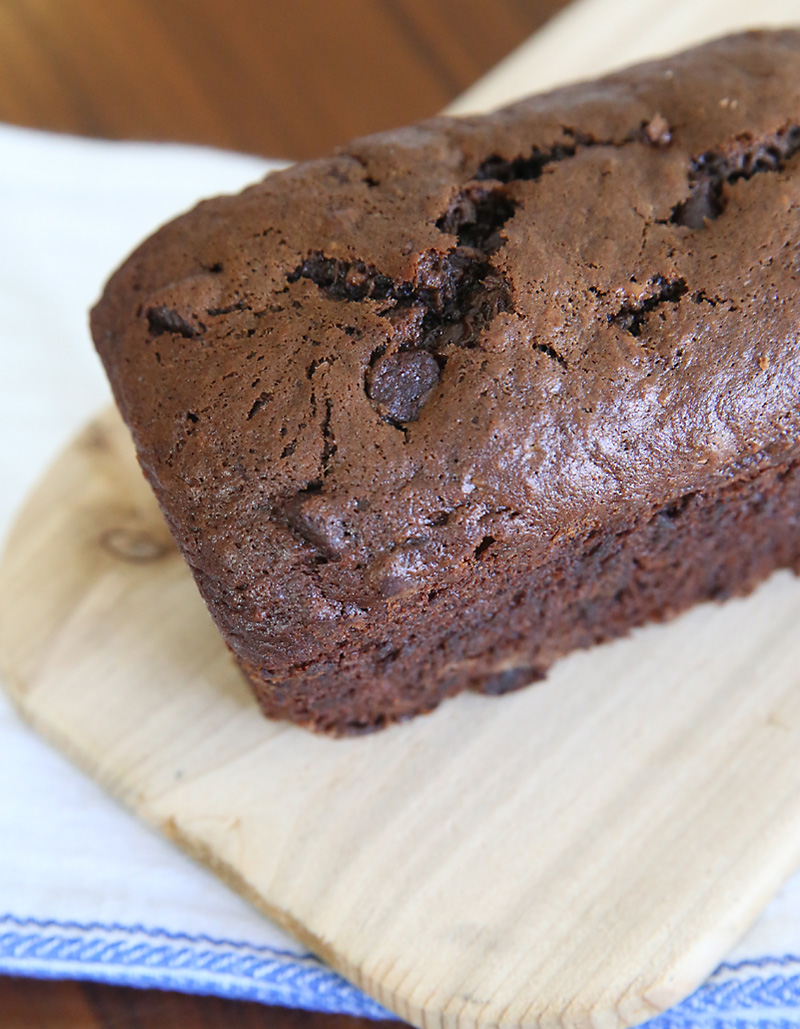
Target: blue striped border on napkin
[
  {"x": 762, "y": 993},
  {"x": 137, "y": 955}
]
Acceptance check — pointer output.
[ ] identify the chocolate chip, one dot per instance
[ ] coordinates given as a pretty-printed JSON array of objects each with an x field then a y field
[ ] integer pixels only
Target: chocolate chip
[
  {"x": 476, "y": 216},
  {"x": 509, "y": 680},
  {"x": 739, "y": 158},
  {"x": 399, "y": 384},
  {"x": 166, "y": 319}
]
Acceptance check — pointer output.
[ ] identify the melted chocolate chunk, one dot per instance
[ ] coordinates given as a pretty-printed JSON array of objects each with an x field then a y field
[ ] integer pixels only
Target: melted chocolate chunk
[
  {"x": 399, "y": 384},
  {"x": 476, "y": 216},
  {"x": 165, "y": 319},
  {"x": 512, "y": 679},
  {"x": 739, "y": 158}
]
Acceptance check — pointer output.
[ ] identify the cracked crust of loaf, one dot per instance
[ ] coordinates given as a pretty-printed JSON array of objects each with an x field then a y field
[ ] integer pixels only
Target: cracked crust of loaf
[{"x": 430, "y": 413}]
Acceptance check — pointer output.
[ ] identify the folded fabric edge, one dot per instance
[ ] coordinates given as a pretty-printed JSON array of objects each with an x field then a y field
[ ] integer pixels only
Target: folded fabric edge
[
  {"x": 155, "y": 958},
  {"x": 759, "y": 992}
]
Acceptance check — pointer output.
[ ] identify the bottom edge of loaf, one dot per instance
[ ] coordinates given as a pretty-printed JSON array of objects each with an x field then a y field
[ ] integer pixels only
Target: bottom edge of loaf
[{"x": 508, "y": 625}]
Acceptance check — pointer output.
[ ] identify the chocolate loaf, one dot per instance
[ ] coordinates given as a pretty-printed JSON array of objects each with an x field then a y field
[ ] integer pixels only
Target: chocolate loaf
[{"x": 432, "y": 412}]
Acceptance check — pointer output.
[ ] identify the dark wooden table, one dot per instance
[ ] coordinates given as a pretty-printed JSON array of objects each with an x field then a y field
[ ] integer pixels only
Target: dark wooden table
[{"x": 284, "y": 79}]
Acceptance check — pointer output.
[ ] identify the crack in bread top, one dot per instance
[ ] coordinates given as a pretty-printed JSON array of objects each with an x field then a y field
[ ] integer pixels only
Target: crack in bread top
[{"x": 511, "y": 327}]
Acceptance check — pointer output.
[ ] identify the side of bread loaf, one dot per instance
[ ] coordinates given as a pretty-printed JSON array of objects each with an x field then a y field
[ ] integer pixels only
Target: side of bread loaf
[{"x": 432, "y": 412}]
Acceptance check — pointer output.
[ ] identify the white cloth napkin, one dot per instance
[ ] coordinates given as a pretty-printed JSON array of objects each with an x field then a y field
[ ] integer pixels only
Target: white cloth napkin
[{"x": 86, "y": 891}]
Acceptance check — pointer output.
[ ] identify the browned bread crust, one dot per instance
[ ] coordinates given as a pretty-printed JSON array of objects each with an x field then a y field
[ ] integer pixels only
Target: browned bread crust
[{"x": 432, "y": 412}]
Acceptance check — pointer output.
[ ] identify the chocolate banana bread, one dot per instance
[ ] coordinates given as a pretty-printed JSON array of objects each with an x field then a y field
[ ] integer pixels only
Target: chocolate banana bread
[{"x": 432, "y": 412}]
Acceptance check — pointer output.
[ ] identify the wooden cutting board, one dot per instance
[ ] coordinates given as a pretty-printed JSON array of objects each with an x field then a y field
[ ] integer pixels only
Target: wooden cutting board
[{"x": 580, "y": 853}]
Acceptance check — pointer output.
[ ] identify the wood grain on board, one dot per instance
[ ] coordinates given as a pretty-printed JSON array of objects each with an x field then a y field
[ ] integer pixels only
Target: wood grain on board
[{"x": 699, "y": 774}]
